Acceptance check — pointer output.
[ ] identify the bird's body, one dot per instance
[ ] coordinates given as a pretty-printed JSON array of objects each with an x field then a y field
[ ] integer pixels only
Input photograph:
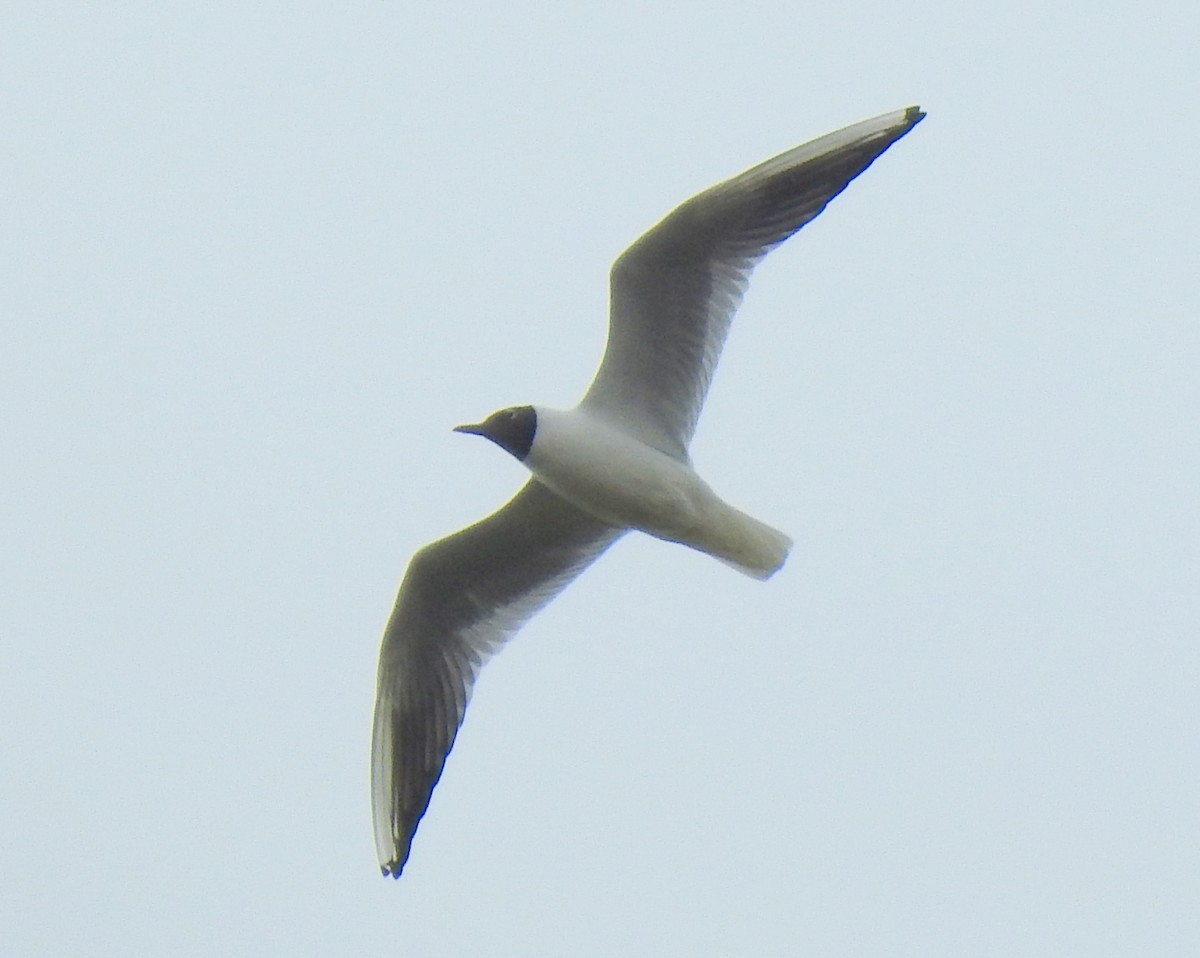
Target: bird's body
[
  {"x": 618, "y": 462},
  {"x": 621, "y": 480}
]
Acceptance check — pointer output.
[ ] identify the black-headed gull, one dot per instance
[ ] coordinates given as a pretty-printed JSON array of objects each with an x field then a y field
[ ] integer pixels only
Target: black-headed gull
[{"x": 618, "y": 461}]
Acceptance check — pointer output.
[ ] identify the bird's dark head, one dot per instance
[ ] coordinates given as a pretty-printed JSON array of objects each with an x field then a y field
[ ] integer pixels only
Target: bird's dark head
[{"x": 511, "y": 429}]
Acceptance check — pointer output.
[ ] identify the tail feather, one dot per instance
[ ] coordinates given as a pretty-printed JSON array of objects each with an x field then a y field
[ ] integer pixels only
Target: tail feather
[{"x": 742, "y": 542}]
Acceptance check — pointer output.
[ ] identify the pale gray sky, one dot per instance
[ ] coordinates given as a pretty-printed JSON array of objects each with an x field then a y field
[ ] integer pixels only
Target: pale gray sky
[{"x": 258, "y": 259}]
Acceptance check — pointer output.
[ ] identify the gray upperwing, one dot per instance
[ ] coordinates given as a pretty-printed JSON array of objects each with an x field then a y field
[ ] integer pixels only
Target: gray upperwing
[
  {"x": 461, "y": 599},
  {"x": 674, "y": 291}
]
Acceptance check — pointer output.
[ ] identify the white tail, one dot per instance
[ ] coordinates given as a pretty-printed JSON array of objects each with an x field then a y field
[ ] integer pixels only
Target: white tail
[{"x": 741, "y": 541}]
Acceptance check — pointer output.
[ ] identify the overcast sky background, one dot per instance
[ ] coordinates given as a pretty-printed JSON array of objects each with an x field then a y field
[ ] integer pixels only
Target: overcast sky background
[{"x": 257, "y": 259}]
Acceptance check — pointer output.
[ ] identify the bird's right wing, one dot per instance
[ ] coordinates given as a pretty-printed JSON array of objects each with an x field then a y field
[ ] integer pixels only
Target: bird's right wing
[
  {"x": 461, "y": 598},
  {"x": 675, "y": 290}
]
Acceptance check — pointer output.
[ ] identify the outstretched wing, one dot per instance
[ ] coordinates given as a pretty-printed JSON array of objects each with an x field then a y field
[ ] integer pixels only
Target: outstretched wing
[
  {"x": 461, "y": 599},
  {"x": 676, "y": 289}
]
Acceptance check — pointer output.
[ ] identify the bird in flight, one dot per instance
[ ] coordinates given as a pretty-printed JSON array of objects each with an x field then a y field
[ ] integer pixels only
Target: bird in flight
[{"x": 616, "y": 462}]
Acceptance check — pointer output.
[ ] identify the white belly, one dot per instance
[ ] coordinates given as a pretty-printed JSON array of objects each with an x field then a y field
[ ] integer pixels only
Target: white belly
[{"x": 617, "y": 478}]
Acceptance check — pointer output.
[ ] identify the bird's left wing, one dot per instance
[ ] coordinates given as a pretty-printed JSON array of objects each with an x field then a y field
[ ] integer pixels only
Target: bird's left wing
[
  {"x": 461, "y": 599},
  {"x": 675, "y": 290}
]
